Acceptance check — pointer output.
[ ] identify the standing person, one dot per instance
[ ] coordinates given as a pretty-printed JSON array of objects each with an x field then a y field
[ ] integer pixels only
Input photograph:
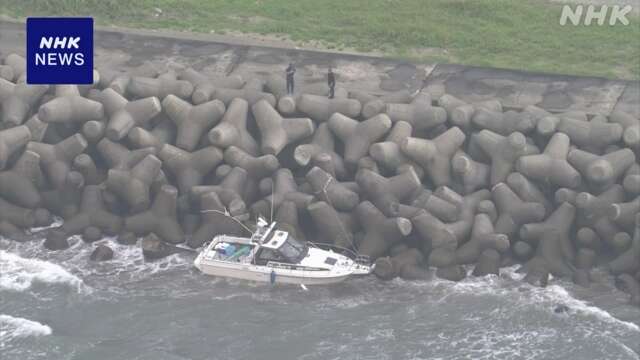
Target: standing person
[
  {"x": 331, "y": 79},
  {"x": 291, "y": 70}
]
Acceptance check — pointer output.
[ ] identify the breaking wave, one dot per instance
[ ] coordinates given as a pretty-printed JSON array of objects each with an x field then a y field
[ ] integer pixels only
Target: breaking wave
[
  {"x": 16, "y": 327},
  {"x": 20, "y": 274}
]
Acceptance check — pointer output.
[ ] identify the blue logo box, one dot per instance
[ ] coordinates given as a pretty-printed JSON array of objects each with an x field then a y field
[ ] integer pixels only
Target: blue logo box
[{"x": 60, "y": 50}]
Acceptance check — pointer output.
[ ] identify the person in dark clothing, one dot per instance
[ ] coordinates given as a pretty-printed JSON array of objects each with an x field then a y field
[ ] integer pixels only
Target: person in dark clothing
[
  {"x": 291, "y": 70},
  {"x": 331, "y": 79}
]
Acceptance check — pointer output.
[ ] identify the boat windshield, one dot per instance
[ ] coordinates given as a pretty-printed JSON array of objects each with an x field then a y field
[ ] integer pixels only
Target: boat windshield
[{"x": 293, "y": 250}]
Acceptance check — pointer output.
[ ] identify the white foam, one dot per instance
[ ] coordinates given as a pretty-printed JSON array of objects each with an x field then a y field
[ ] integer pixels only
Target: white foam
[
  {"x": 19, "y": 274},
  {"x": 16, "y": 327}
]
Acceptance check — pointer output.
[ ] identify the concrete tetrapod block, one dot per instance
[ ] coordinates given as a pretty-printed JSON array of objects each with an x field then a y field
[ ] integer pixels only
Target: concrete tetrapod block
[
  {"x": 470, "y": 174},
  {"x": 85, "y": 165},
  {"x": 468, "y": 206},
  {"x": 603, "y": 171},
  {"x": 93, "y": 213},
  {"x": 277, "y": 132},
  {"x": 587, "y": 238},
  {"x": 205, "y": 85},
  {"x": 329, "y": 225},
  {"x": 117, "y": 156},
  {"x": 133, "y": 186},
  {"x": 631, "y": 181},
  {"x": 16, "y": 215},
  {"x": 435, "y": 234},
  {"x": 19, "y": 66},
  {"x": 232, "y": 129},
  {"x": 551, "y": 166},
  {"x": 18, "y": 100},
  {"x": 419, "y": 113},
  {"x": 20, "y": 185},
  {"x": 69, "y": 107},
  {"x": 488, "y": 263},
  {"x": 440, "y": 208},
  {"x": 585, "y": 259},
  {"x": 232, "y": 190},
  {"x": 288, "y": 220},
  {"x": 358, "y": 136},
  {"x": 160, "y": 219},
  {"x": 628, "y": 261},
  {"x": 328, "y": 189},
  {"x": 256, "y": 167},
  {"x": 6, "y": 72},
  {"x": 381, "y": 232},
  {"x": 37, "y": 127},
  {"x": 284, "y": 188},
  {"x": 631, "y": 286},
  {"x": 141, "y": 138},
  {"x": 385, "y": 193},
  {"x": 215, "y": 221},
  {"x": 160, "y": 87},
  {"x": 65, "y": 202},
  {"x": 513, "y": 212},
  {"x": 503, "y": 151},
  {"x": 630, "y": 125},
  {"x": 378, "y": 105},
  {"x": 624, "y": 213},
  {"x": 407, "y": 264},
  {"x": 590, "y": 135},
  {"x": 192, "y": 121},
  {"x": 435, "y": 155},
  {"x": 503, "y": 123},
  {"x": 554, "y": 239},
  {"x": 12, "y": 140},
  {"x": 483, "y": 236},
  {"x": 57, "y": 159},
  {"x": 321, "y": 108},
  {"x": 323, "y": 142},
  {"x": 189, "y": 169},
  {"x": 124, "y": 115},
  {"x": 528, "y": 191},
  {"x": 94, "y": 131},
  {"x": 249, "y": 93},
  {"x": 388, "y": 154},
  {"x": 10, "y": 231}
]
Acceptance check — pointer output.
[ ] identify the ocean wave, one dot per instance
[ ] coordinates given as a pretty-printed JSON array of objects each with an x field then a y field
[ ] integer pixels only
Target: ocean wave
[
  {"x": 19, "y": 274},
  {"x": 16, "y": 327}
]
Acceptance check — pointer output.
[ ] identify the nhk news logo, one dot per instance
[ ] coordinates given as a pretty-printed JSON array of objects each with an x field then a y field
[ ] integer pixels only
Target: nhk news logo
[{"x": 59, "y": 50}]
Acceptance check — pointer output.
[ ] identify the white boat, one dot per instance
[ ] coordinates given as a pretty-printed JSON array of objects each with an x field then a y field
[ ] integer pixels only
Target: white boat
[{"x": 274, "y": 256}]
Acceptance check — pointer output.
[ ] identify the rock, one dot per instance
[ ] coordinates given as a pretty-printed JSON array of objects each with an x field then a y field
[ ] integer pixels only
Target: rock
[{"x": 102, "y": 253}]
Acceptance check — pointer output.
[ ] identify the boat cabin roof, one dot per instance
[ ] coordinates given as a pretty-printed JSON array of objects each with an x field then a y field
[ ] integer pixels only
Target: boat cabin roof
[{"x": 275, "y": 239}]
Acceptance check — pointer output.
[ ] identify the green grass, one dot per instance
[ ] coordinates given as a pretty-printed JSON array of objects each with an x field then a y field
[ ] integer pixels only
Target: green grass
[{"x": 514, "y": 34}]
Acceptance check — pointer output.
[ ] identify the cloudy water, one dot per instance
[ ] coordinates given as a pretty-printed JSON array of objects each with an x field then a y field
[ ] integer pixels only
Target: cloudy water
[{"x": 59, "y": 305}]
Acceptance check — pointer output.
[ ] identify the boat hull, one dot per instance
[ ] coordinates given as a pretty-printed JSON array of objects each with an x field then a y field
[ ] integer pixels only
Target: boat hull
[{"x": 264, "y": 274}]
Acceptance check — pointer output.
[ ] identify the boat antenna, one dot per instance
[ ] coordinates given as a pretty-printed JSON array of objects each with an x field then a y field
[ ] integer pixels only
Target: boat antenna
[
  {"x": 271, "y": 218},
  {"x": 227, "y": 214}
]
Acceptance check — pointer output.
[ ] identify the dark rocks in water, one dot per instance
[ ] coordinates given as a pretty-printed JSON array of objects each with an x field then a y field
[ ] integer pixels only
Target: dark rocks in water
[
  {"x": 451, "y": 273},
  {"x": 153, "y": 248},
  {"x": 407, "y": 264},
  {"x": 56, "y": 239},
  {"x": 102, "y": 253},
  {"x": 561, "y": 309}
]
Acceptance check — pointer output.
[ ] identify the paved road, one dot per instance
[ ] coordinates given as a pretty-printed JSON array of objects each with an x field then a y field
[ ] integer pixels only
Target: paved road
[{"x": 516, "y": 89}]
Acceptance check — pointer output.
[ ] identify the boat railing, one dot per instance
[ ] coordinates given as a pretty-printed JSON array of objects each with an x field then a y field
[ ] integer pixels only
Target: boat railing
[{"x": 358, "y": 258}]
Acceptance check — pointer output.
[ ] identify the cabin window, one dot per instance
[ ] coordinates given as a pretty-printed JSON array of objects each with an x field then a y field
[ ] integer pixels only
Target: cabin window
[{"x": 292, "y": 249}]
